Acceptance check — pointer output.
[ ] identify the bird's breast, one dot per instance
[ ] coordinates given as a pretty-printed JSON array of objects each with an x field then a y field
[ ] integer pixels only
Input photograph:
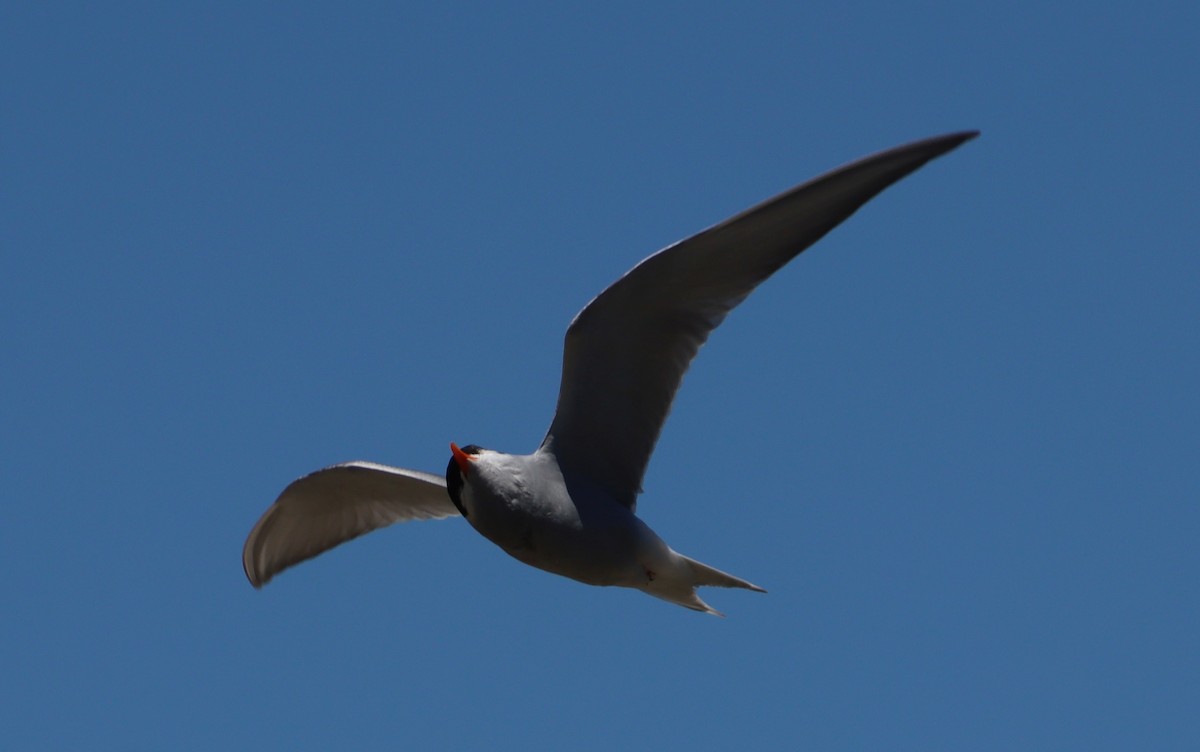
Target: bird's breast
[{"x": 568, "y": 528}]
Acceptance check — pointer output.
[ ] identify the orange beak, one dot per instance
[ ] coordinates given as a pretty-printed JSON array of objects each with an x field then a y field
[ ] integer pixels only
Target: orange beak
[{"x": 463, "y": 459}]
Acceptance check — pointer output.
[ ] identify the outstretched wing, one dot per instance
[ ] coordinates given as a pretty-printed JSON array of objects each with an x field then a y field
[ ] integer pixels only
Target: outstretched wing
[
  {"x": 628, "y": 349},
  {"x": 334, "y": 505}
]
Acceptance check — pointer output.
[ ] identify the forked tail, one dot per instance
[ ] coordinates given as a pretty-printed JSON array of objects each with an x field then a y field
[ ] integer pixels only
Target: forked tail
[{"x": 678, "y": 584}]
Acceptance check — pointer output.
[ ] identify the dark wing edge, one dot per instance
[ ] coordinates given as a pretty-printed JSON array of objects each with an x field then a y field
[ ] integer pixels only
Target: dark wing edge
[
  {"x": 336, "y": 504},
  {"x": 626, "y": 352}
]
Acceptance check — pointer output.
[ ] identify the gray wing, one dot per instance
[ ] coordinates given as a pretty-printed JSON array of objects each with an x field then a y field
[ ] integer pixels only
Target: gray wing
[
  {"x": 628, "y": 349},
  {"x": 337, "y": 504}
]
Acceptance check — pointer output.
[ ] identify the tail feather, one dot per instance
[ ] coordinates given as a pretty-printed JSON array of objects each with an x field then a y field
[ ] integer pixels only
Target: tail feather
[
  {"x": 706, "y": 575},
  {"x": 696, "y": 604},
  {"x": 676, "y": 581}
]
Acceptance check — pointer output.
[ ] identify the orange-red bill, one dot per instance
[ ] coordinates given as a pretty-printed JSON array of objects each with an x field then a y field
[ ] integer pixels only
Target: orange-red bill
[{"x": 462, "y": 458}]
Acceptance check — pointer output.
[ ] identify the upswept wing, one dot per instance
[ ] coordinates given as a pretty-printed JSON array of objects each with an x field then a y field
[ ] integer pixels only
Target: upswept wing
[
  {"x": 334, "y": 505},
  {"x": 628, "y": 349}
]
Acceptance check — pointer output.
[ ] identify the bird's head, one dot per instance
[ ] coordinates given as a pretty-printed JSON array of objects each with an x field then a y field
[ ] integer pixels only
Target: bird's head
[{"x": 459, "y": 469}]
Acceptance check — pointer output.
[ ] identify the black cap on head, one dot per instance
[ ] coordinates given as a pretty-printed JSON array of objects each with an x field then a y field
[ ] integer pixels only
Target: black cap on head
[{"x": 454, "y": 478}]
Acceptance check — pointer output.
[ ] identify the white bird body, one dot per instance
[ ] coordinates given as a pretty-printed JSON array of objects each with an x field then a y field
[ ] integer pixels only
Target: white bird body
[
  {"x": 569, "y": 508},
  {"x": 570, "y": 527}
]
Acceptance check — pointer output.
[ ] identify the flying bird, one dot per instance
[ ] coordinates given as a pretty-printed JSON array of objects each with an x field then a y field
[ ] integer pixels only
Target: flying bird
[{"x": 569, "y": 507}]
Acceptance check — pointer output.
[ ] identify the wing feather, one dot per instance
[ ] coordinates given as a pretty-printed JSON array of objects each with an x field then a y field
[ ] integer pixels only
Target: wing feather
[
  {"x": 336, "y": 504},
  {"x": 627, "y": 350}
]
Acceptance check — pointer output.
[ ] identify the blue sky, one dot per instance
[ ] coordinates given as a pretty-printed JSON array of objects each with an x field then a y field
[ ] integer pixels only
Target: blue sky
[{"x": 956, "y": 440}]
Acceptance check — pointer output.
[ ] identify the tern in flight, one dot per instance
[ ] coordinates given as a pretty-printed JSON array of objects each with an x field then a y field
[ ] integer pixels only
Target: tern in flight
[{"x": 569, "y": 507}]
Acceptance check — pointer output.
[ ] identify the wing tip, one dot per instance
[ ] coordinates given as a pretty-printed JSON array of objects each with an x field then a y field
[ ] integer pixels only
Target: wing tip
[
  {"x": 255, "y": 579},
  {"x": 956, "y": 137},
  {"x": 932, "y": 147}
]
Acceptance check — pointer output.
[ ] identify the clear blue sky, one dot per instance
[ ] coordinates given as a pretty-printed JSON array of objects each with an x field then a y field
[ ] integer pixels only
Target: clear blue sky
[{"x": 957, "y": 440}]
